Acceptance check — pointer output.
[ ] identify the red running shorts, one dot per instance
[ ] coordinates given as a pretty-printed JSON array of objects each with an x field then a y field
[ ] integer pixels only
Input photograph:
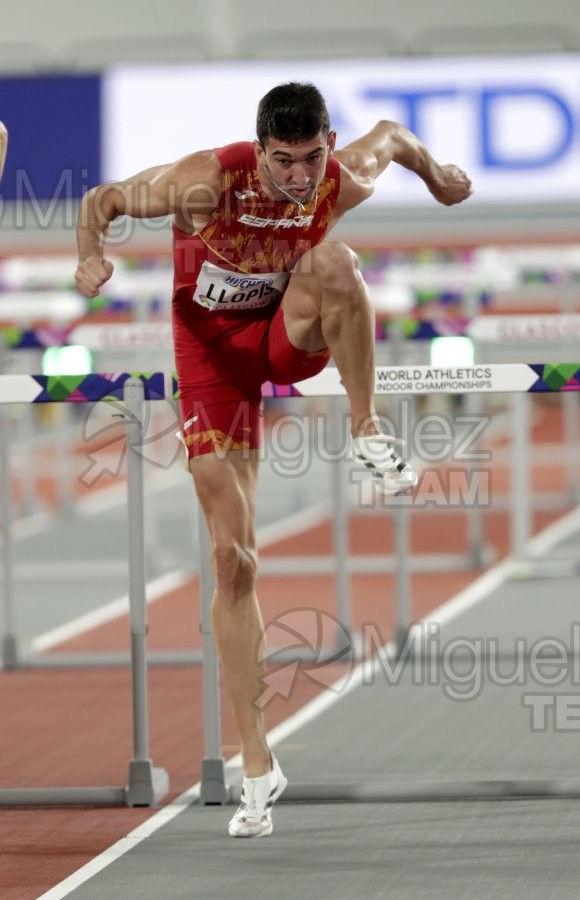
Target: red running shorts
[{"x": 222, "y": 361}]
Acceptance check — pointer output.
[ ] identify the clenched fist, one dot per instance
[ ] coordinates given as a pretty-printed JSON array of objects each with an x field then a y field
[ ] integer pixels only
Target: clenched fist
[
  {"x": 91, "y": 275},
  {"x": 450, "y": 185}
]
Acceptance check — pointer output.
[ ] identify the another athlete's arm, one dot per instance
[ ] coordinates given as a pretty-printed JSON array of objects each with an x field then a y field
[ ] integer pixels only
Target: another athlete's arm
[
  {"x": 189, "y": 189},
  {"x": 3, "y": 146},
  {"x": 366, "y": 158}
]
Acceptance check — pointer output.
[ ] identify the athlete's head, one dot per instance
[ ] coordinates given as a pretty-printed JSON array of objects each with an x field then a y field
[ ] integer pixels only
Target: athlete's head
[
  {"x": 292, "y": 113},
  {"x": 294, "y": 140}
]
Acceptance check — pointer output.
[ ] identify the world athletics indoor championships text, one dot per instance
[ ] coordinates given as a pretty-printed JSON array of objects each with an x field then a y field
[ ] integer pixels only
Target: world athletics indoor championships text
[{"x": 391, "y": 380}]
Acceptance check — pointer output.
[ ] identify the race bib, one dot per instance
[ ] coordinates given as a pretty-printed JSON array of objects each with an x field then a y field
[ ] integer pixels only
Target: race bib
[{"x": 222, "y": 290}]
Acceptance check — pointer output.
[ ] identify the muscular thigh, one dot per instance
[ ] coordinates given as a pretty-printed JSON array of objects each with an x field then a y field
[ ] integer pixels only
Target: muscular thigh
[
  {"x": 226, "y": 486},
  {"x": 301, "y": 305},
  {"x": 328, "y": 272}
]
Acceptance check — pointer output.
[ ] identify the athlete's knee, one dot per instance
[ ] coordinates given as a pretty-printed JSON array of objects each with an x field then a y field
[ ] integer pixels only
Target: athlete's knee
[
  {"x": 235, "y": 569},
  {"x": 337, "y": 267}
]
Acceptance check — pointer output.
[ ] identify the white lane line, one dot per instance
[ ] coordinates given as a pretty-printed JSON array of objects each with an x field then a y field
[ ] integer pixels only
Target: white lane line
[
  {"x": 472, "y": 594},
  {"x": 113, "y": 610},
  {"x": 555, "y": 533},
  {"x": 549, "y": 537},
  {"x": 292, "y": 525},
  {"x": 266, "y": 536},
  {"x": 115, "y": 851},
  {"x": 537, "y": 546}
]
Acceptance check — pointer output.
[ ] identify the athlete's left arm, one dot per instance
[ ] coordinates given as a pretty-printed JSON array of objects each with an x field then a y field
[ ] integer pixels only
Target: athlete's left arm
[
  {"x": 3, "y": 146},
  {"x": 366, "y": 158}
]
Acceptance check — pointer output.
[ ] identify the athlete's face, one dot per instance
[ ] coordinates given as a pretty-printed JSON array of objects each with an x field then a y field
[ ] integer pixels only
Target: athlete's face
[{"x": 297, "y": 168}]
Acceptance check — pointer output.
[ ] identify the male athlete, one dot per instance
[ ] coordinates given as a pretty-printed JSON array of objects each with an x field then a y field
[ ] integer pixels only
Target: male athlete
[
  {"x": 259, "y": 297},
  {"x": 3, "y": 146}
]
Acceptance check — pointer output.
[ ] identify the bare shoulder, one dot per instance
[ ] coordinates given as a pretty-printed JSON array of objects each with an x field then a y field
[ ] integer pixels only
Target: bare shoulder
[
  {"x": 197, "y": 180},
  {"x": 203, "y": 165},
  {"x": 188, "y": 175},
  {"x": 357, "y": 181}
]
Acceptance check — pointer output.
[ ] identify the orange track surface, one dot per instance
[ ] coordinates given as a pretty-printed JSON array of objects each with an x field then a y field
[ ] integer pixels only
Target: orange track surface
[{"x": 65, "y": 727}]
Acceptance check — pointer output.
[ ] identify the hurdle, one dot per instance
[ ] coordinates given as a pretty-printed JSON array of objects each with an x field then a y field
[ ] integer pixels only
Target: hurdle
[
  {"x": 147, "y": 785},
  {"x": 518, "y": 378}
]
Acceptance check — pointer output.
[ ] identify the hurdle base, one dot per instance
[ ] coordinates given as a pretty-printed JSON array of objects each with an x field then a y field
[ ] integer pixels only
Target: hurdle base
[
  {"x": 404, "y": 642},
  {"x": 71, "y": 796},
  {"x": 214, "y": 791},
  {"x": 340, "y": 652},
  {"x": 147, "y": 785},
  {"x": 558, "y": 567},
  {"x": 9, "y": 652},
  {"x": 426, "y": 791}
]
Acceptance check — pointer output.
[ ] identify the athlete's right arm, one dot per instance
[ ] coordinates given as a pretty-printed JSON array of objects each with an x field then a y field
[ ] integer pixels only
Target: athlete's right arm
[
  {"x": 3, "y": 146},
  {"x": 188, "y": 189}
]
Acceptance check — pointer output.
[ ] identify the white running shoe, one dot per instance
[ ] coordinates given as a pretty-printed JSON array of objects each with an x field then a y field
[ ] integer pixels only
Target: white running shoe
[
  {"x": 253, "y": 817},
  {"x": 392, "y": 474}
]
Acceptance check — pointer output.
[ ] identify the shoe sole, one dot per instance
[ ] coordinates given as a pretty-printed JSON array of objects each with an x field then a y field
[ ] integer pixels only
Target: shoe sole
[{"x": 266, "y": 831}]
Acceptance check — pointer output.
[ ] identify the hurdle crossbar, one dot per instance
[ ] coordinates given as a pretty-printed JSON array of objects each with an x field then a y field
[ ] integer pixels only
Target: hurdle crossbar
[
  {"x": 511, "y": 378},
  {"x": 389, "y": 380},
  {"x": 140, "y": 386}
]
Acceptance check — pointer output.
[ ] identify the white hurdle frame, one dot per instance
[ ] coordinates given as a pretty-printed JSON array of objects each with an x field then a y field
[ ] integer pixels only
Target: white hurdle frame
[
  {"x": 214, "y": 786},
  {"x": 146, "y": 785}
]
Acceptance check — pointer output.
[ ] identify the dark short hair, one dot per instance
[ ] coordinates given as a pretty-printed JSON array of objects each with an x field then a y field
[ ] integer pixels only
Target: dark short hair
[{"x": 292, "y": 112}]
